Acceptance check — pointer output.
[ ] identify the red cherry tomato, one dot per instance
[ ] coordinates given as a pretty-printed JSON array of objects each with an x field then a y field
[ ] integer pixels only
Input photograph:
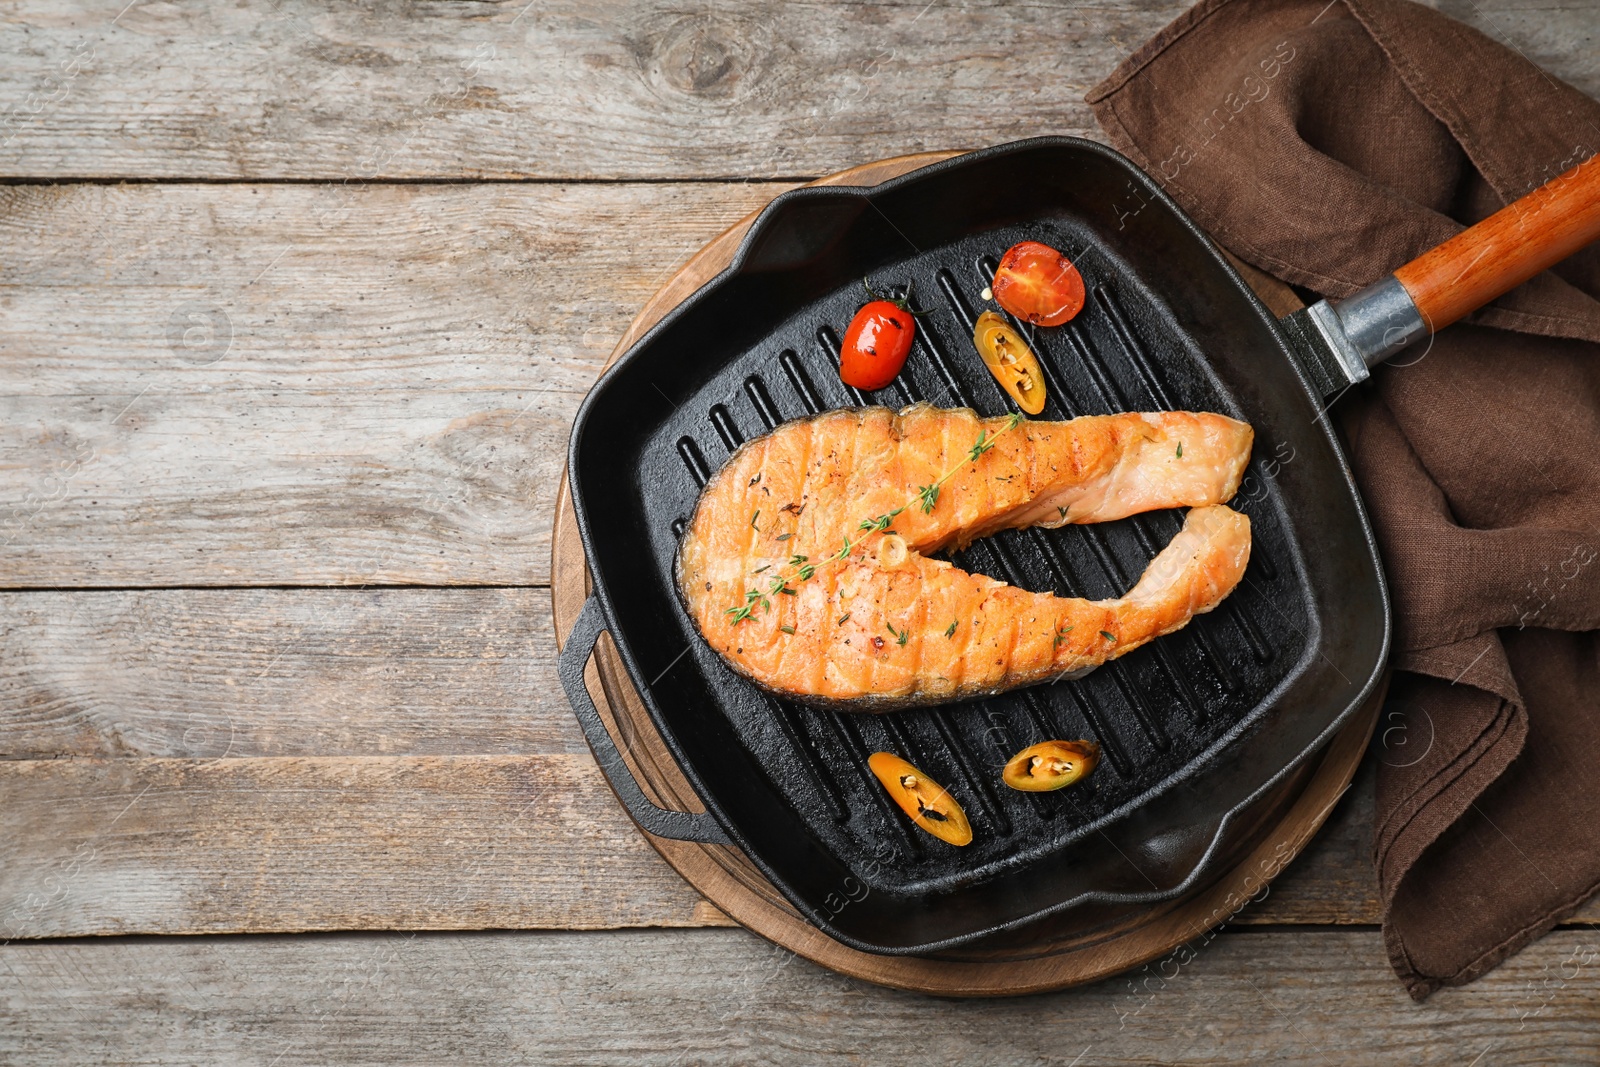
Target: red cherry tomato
[
  {"x": 1038, "y": 284},
  {"x": 876, "y": 343}
]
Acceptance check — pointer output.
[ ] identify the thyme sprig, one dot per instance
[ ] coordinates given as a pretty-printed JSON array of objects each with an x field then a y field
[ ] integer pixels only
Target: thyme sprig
[
  {"x": 752, "y": 597},
  {"x": 880, "y": 523},
  {"x": 926, "y": 495}
]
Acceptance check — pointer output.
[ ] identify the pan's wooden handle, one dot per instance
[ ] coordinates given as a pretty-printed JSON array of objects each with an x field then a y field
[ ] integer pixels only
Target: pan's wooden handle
[{"x": 1507, "y": 248}]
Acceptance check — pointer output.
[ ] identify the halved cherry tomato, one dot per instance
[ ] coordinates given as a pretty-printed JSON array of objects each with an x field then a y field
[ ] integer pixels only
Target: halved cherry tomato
[
  {"x": 1010, "y": 360},
  {"x": 1051, "y": 765},
  {"x": 877, "y": 340},
  {"x": 920, "y": 797},
  {"x": 1038, "y": 284}
]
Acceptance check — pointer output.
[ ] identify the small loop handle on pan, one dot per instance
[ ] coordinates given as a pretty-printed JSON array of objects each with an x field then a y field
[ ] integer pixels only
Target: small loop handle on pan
[{"x": 661, "y": 822}]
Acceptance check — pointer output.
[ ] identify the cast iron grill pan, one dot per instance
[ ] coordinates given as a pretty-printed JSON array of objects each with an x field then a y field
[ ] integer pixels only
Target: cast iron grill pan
[
  {"x": 1153, "y": 711},
  {"x": 790, "y": 783}
]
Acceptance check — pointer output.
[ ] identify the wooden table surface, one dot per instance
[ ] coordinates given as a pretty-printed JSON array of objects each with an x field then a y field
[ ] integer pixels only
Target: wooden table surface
[{"x": 296, "y": 306}]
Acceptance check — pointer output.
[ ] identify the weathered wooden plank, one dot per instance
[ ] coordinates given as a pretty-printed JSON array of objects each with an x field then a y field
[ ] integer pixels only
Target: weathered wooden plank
[
  {"x": 290, "y": 89},
  {"x": 466, "y": 842},
  {"x": 205, "y": 385},
  {"x": 509, "y": 90},
  {"x": 209, "y": 673},
  {"x": 713, "y": 997},
  {"x": 202, "y": 676}
]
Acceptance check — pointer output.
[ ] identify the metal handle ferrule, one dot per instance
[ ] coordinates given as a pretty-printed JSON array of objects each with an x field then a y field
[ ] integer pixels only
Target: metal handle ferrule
[{"x": 1380, "y": 320}]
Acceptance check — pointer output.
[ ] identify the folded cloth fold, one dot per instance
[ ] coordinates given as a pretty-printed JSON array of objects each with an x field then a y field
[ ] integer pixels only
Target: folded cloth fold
[{"x": 1328, "y": 144}]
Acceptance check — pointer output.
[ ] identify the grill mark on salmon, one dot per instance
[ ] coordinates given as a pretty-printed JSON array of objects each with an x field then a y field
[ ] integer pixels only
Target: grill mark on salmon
[{"x": 881, "y": 625}]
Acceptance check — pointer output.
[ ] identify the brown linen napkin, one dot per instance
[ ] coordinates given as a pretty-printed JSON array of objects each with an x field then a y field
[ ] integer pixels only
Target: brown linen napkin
[{"x": 1327, "y": 144}]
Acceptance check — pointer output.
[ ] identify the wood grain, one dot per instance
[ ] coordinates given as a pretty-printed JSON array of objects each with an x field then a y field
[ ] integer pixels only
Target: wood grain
[
  {"x": 1332, "y": 882},
  {"x": 1498, "y": 254},
  {"x": 1291, "y": 999},
  {"x": 246, "y": 385},
  {"x": 317, "y": 843},
  {"x": 339, "y": 843},
  {"x": 208, "y": 673},
  {"x": 288, "y": 89},
  {"x": 270, "y": 89}
]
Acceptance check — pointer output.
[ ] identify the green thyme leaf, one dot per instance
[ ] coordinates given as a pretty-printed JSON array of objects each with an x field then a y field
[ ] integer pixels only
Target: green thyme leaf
[
  {"x": 880, "y": 523},
  {"x": 1180, "y": 449},
  {"x": 1108, "y": 637},
  {"x": 1061, "y": 634},
  {"x": 842, "y": 619},
  {"x": 952, "y": 631},
  {"x": 900, "y": 636},
  {"x": 981, "y": 446},
  {"x": 787, "y": 629},
  {"x": 1062, "y": 512},
  {"x": 929, "y": 495},
  {"x": 753, "y": 519},
  {"x": 784, "y": 537},
  {"x": 985, "y": 442}
]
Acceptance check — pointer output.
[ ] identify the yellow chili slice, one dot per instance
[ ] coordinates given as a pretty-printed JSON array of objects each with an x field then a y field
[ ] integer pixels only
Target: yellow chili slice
[
  {"x": 1051, "y": 765},
  {"x": 1010, "y": 360},
  {"x": 920, "y": 797}
]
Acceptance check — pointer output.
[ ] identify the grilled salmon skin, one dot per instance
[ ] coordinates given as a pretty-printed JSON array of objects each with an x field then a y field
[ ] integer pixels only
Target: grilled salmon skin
[{"x": 805, "y": 563}]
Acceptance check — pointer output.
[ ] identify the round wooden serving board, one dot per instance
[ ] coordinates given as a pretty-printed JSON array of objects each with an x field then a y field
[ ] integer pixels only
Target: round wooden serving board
[{"x": 1088, "y": 944}]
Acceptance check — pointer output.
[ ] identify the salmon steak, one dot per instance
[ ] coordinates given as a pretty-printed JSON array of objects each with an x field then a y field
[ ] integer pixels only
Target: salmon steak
[{"x": 806, "y": 564}]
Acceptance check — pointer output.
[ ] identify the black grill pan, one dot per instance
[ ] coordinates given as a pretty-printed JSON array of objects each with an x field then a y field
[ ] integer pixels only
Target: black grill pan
[{"x": 1194, "y": 726}]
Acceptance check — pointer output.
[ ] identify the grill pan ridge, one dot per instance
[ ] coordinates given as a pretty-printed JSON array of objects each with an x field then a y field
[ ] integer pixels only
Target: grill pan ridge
[{"x": 1193, "y": 726}]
